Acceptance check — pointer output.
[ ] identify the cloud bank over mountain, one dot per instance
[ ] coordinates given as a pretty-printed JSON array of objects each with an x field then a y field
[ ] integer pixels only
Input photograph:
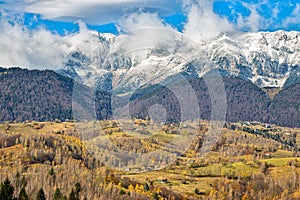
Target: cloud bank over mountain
[{"x": 38, "y": 47}]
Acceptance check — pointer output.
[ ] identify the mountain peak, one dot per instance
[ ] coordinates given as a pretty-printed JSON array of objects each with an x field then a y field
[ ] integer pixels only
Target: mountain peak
[{"x": 268, "y": 59}]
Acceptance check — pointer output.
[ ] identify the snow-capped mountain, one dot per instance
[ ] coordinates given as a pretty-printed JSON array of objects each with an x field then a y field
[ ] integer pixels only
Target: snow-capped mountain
[{"x": 144, "y": 57}]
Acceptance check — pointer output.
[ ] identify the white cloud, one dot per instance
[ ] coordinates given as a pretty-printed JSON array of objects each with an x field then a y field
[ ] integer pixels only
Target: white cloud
[
  {"x": 202, "y": 22},
  {"x": 40, "y": 49},
  {"x": 19, "y": 47},
  {"x": 256, "y": 21},
  {"x": 275, "y": 11},
  {"x": 141, "y": 20},
  {"x": 294, "y": 18},
  {"x": 93, "y": 11},
  {"x": 252, "y": 22},
  {"x": 144, "y": 32}
]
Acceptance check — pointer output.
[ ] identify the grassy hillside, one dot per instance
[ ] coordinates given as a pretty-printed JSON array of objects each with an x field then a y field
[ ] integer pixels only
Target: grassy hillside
[{"x": 251, "y": 161}]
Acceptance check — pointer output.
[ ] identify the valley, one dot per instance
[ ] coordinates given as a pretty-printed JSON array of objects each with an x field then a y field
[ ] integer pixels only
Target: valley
[
  {"x": 249, "y": 160},
  {"x": 149, "y": 100}
]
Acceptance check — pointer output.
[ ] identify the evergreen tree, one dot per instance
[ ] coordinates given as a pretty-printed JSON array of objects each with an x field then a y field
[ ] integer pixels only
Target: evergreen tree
[
  {"x": 72, "y": 195},
  {"x": 77, "y": 188},
  {"x": 23, "y": 195},
  {"x": 155, "y": 196},
  {"x": 57, "y": 194},
  {"x": 6, "y": 190},
  {"x": 40, "y": 195},
  {"x": 51, "y": 172},
  {"x": 146, "y": 187}
]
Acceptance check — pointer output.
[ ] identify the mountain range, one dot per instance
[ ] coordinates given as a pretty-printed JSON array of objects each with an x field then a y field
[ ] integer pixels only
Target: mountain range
[
  {"x": 127, "y": 62},
  {"x": 258, "y": 73}
]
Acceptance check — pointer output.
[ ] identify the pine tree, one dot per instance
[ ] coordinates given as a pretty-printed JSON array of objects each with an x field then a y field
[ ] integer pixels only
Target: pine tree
[
  {"x": 72, "y": 195},
  {"x": 77, "y": 188},
  {"x": 155, "y": 196},
  {"x": 40, "y": 195},
  {"x": 146, "y": 187},
  {"x": 6, "y": 190},
  {"x": 51, "y": 172},
  {"x": 23, "y": 195},
  {"x": 57, "y": 194}
]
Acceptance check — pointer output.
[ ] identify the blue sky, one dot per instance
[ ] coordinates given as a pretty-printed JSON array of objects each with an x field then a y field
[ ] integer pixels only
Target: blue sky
[{"x": 104, "y": 16}]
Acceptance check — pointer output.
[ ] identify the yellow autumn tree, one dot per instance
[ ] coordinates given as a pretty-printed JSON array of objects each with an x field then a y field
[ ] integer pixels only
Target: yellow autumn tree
[
  {"x": 131, "y": 187},
  {"x": 245, "y": 197}
]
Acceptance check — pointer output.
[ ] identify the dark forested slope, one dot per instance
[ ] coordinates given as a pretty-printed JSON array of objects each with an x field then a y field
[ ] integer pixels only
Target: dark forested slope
[
  {"x": 285, "y": 107},
  {"x": 34, "y": 95},
  {"x": 46, "y": 96},
  {"x": 244, "y": 101}
]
